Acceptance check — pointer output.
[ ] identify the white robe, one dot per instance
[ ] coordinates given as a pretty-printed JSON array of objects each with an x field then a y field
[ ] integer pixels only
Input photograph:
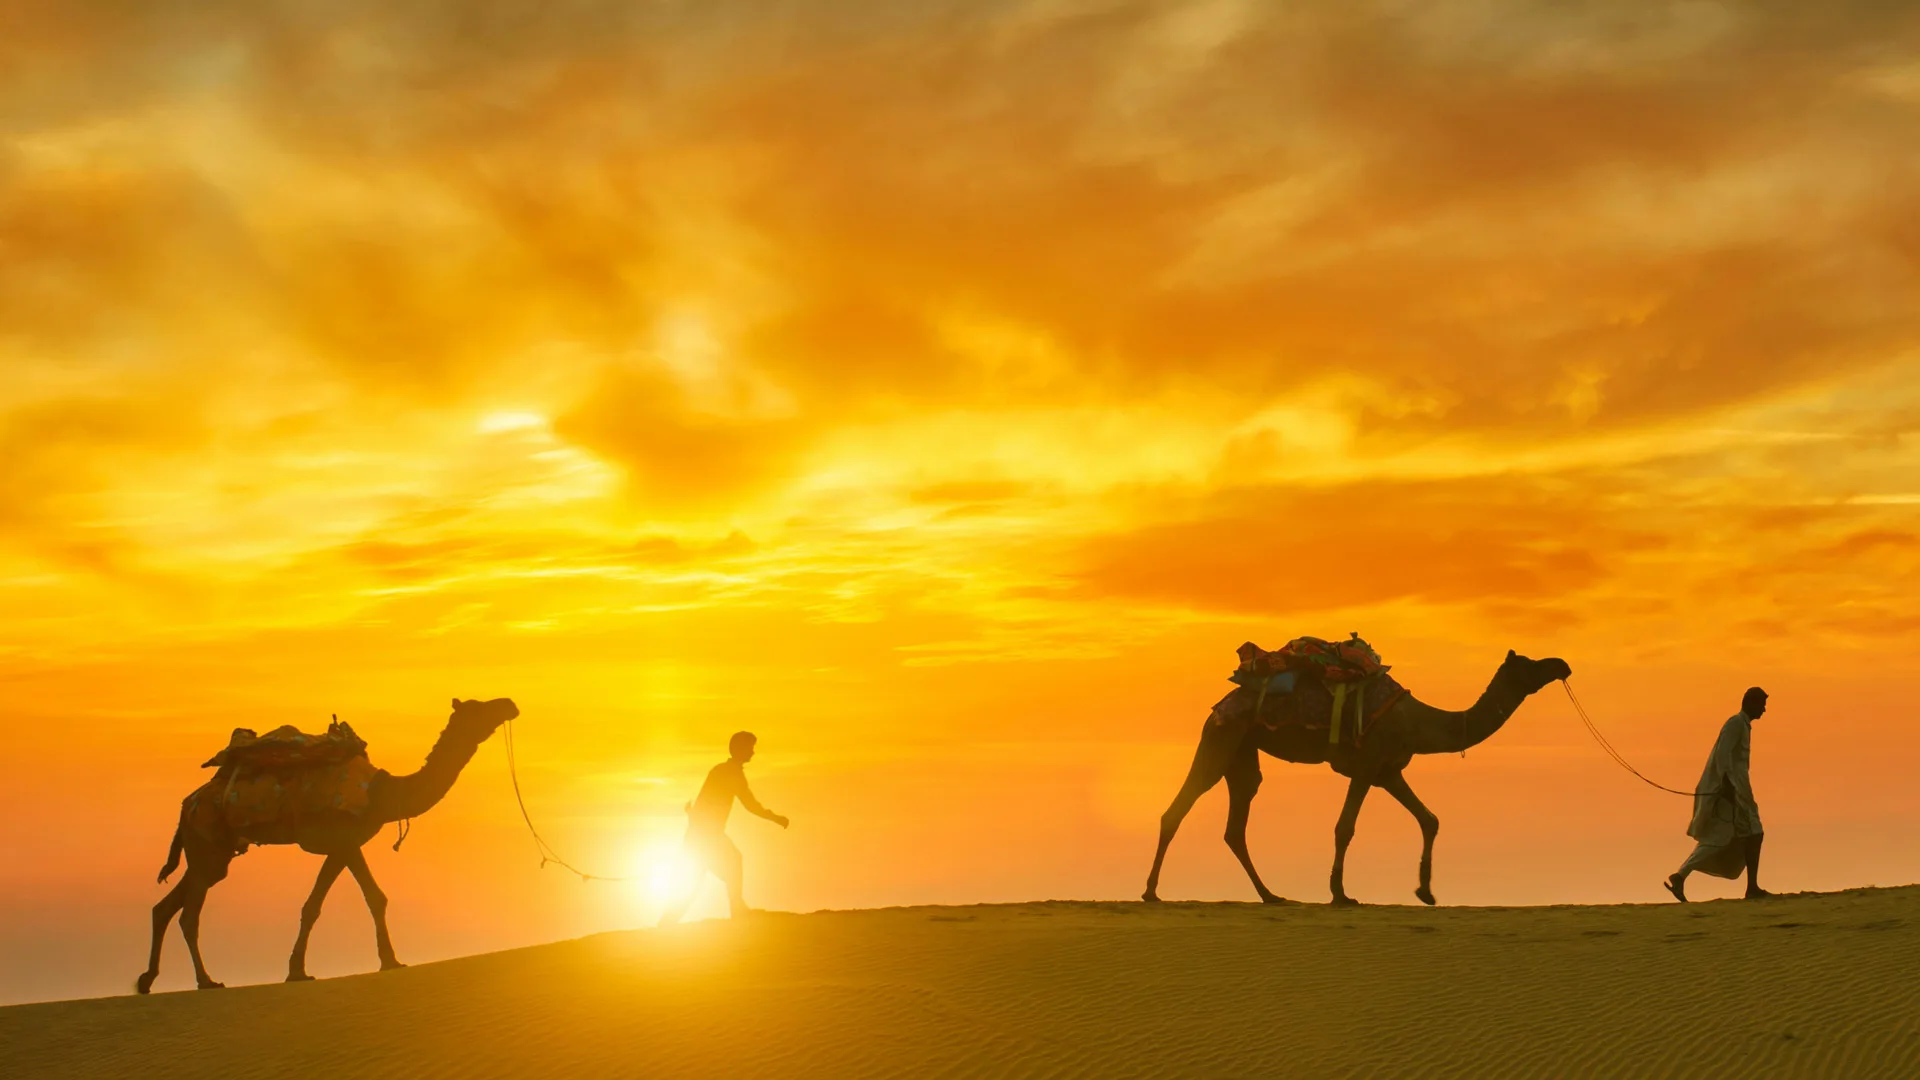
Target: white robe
[{"x": 1725, "y": 813}]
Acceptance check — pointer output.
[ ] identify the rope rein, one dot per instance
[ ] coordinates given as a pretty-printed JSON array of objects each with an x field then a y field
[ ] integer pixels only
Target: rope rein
[
  {"x": 1615, "y": 754},
  {"x": 540, "y": 845},
  {"x": 549, "y": 855}
]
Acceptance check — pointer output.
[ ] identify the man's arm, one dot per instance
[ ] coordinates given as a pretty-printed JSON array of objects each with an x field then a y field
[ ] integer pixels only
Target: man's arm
[
  {"x": 753, "y": 805},
  {"x": 1735, "y": 758}
]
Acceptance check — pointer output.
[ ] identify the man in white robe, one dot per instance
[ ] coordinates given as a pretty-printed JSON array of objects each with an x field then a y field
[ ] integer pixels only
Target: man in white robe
[{"x": 1726, "y": 820}]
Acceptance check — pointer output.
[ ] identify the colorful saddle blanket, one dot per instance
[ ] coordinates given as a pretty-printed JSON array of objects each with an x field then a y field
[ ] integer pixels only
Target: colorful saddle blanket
[
  {"x": 283, "y": 776},
  {"x": 1330, "y": 661},
  {"x": 245, "y": 800},
  {"x": 1311, "y": 684}
]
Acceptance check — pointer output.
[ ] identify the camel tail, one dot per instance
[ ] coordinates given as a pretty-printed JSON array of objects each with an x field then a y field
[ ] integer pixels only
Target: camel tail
[{"x": 179, "y": 843}]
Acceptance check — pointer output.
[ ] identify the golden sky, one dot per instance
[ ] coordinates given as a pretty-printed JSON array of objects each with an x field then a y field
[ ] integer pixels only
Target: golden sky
[{"x": 943, "y": 391}]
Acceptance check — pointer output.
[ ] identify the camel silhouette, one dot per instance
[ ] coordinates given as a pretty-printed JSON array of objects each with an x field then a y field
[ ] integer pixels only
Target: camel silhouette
[
  {"x": 1230, "y": 749},
  {"x": 210, "y": 846}
]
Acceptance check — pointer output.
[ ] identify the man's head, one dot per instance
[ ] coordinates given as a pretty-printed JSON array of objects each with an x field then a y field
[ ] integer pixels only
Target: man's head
[
  {"x": 741, "y": 745},
  {"x": 1754, "y": 703}
]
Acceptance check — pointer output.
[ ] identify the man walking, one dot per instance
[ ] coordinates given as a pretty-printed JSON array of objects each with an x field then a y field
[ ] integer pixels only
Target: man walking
[
  {"x": 707, "y": 845},
  {"x": 1726, "y": 821}
]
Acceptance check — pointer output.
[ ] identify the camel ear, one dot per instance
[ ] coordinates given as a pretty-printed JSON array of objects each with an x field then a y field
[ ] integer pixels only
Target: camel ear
[
  {"x": 456, "y": 703},
  {"x": 1511, "y": 654}
]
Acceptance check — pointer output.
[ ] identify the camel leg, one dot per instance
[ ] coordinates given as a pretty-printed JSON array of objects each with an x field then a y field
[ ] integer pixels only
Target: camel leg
[
  {"x": 1210, "y": 762},
  {"x": 1343, "y": 835},
  {"x": 310, "y": 914},
  {"x": 195, "y": 899},
  {"x": 1396, "y": 786},
  {"x": 1243, "y": 782},
  {"x": 377, "y": 905},
  {"x": 163, "y": 913}
]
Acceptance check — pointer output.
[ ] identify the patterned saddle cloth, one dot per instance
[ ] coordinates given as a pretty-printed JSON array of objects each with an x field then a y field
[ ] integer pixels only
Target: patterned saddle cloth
[
  {"x": 236, "y": 803},
  {"x": 1329, "y": 661},
  {"x": 282, "y": 776},
  {"x": 1311, "y": 684}
]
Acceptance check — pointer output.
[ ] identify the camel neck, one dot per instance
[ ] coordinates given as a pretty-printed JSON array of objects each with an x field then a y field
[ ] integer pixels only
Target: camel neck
[
  {"x": 1440, "y": 731},
  {"x": 415, "y": 793}
]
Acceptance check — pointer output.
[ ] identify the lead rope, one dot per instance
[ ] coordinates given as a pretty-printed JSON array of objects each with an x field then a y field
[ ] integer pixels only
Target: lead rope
[
  {"x": 1615, "y": 754},
  {"x": 402, "y": 827},
  {"x": 540, "y": 845}
]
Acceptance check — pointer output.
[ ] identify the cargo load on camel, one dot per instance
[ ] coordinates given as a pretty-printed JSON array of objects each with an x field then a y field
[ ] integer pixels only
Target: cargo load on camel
[
  {"x": 280, "y": 777},
  {"x": 1339, "y": 687}
]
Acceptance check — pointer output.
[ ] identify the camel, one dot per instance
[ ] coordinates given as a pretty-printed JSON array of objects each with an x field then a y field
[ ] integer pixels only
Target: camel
[
  {"x": 338, "y": 836},
  {"x": 1231, "y": 749}
]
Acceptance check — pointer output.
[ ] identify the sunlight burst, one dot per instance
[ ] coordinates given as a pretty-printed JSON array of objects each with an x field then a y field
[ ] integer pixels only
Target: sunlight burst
[{"x": 665, "y": 873}]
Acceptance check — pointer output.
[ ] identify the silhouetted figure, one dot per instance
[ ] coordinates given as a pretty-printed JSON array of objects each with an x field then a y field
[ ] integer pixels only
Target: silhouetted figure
[
  {"x": 707, "y": 844},
  {"x": 210, "y": 844},
  {"x": 1726, "y": 820}
]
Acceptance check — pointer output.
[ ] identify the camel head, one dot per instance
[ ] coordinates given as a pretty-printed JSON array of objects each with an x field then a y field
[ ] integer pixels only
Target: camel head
[
  {"x": 1529, "y": 675},
  {"x": 480, "y": 719}
]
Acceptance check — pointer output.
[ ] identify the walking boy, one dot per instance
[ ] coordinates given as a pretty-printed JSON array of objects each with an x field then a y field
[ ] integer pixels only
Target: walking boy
[{"x": 707, "y": 845}]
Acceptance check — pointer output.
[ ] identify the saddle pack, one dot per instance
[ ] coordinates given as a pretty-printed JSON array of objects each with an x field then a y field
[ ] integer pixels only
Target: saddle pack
[
  {"x": 1312, "y": 684},
  {"x": 283, "y": 775}
]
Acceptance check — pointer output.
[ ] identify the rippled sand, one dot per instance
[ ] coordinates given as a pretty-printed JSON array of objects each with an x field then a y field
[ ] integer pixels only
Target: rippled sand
[{"x": 1816, "y": 985}]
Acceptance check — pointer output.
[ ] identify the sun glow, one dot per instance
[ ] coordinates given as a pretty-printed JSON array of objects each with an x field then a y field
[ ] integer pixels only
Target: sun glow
[
  {"x": 511, "y": 420},
  {"x": 665, "y": 873}
]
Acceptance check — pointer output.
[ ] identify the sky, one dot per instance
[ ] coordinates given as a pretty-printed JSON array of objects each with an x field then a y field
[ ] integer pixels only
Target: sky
[{"x": 942, "y": 392}]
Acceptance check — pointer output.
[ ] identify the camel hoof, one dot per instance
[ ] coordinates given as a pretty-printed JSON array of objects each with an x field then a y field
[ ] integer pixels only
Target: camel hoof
[
  {"x": 1345, "y": 901},
  {"x": 299, "y": 976},
  {"x": 211, "y": 985},
  {"x": 391, "y": 965},
  {"x": 1149, "y": 897},
  {"x": 1269, "y": 898},
  {"x": 1425, "y": 896},
  {"x": 144, "y": 984}
]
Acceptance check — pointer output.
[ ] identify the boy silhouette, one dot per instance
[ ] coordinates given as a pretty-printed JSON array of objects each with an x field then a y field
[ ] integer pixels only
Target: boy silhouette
[{"x": 707, "y": 846}]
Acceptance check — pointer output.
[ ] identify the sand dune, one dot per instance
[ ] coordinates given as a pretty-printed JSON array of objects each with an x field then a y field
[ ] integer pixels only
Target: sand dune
[{"x": 1814, "y": 985}]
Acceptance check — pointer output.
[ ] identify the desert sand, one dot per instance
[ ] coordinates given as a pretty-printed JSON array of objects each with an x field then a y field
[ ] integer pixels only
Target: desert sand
[{"x": 1811, "y": 985}]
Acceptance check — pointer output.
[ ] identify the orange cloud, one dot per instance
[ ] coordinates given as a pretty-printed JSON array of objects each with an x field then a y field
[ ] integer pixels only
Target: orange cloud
[{"x": 1275, "y": 552}]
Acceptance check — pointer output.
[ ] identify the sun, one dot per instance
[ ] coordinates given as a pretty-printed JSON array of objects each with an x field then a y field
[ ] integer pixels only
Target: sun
[{"x": 666, "y": 874}]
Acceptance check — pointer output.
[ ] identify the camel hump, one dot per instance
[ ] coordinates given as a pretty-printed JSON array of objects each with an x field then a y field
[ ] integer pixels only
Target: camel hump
[
  {"x": 1337, "y": 712},
  {"x": 287, "y": 747},
  {"x": 282, "y": 775},
  {"x": 1310, "y": 683}
]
